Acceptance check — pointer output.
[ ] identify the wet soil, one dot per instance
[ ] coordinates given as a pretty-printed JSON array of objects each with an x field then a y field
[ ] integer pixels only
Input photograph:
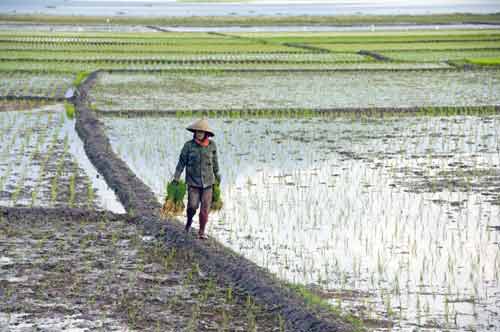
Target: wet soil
[
  {"x": 79, "y": 271},
  {"x": 21, "y": 105}
]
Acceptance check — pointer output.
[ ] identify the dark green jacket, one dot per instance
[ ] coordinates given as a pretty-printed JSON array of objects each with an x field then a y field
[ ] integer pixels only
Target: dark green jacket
[{"x": 202, "y": 166}]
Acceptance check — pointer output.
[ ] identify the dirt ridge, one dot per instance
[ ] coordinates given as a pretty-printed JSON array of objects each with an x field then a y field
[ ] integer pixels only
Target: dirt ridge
[{"x": 35, "y": 214}]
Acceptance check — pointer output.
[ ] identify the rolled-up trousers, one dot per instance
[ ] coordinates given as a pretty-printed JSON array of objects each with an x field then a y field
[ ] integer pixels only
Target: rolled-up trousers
[{"x": 197, "y": 196}]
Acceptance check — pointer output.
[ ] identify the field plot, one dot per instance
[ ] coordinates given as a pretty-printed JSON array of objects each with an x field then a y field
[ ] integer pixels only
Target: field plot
[
  {"x": 42, "y": 85},
  {"x": 74, "y": 67},
  {"x": 437, "y": 56},
  {"x": 100, "y": 275},
  {"x": 47, "y": 61},
  {"x": 43, "y": 163},
  {"x": 428, "y": 46},
  {"x": 167, "y": 92},
  {"x": 182, "y": 57},
  {"x": 387, "y": 217},
  {"x": 425, "y": 46},
  {"x": 198, "y": 43},
  {"x": 374, "y": 37}
]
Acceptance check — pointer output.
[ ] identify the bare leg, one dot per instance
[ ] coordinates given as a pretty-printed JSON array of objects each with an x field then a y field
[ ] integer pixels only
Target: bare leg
[
  {"x": 206, "y": 200},
  {"x": 192, "y": 206}
]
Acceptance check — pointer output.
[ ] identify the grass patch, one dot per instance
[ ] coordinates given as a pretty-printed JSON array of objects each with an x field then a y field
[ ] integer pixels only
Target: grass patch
[
  {"x": 314, "y": 302},
  {"x": 485, "y": 61}
]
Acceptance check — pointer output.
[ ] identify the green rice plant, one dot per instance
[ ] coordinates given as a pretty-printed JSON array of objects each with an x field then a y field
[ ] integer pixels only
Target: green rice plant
[
  {"x": 174, "y": 202},
  {"x": 281, "y": 324},
  {"x": 70, "y": 110},
  {"x": 72, "y": 186},
  {"x": 216, "y": 197},
  {"x": 229, "y": 295}
]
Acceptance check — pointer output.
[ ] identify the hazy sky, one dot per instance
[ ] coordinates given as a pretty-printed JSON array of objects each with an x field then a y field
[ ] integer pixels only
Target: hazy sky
[{"x": 401, "y": 2}]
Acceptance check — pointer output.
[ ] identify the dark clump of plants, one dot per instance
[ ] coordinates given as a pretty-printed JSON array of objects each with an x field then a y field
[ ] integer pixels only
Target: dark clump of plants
[{"x": 216, "y": 197}]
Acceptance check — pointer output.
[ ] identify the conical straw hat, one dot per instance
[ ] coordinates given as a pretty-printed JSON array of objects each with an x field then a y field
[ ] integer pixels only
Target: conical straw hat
[{"x": 201, "y": 125}]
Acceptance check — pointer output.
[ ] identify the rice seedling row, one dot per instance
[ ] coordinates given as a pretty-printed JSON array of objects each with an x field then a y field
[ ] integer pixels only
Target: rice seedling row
[
  {"x": 44, "y": 165},
  {"x": 416, "y": 47},
  {"x": 387, "y": 217},
  {"x": 375, "y": 37},
  {"x": 309, "y": 90},
  {"x": 73, "y": 41},
  {"x": 109, "y": 37},
  {"x": 75, "y": 67},
  {"x": 435, "y": 56},
  {"x": 22, "y": 56},
  {"x": 207, "y": 48}
]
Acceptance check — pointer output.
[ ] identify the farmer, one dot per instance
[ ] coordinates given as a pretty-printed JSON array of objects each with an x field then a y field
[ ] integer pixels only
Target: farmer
[{"x": 199, "y": 156}]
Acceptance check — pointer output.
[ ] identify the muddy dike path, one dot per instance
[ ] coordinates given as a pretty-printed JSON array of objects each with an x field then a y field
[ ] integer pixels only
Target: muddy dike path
[{"x": 228, "y": 269}]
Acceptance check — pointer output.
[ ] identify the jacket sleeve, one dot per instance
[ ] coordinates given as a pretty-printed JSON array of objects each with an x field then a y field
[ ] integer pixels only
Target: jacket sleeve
[
  {"x": 182, "y": 162},
  {"x": 216, "y": 163}
]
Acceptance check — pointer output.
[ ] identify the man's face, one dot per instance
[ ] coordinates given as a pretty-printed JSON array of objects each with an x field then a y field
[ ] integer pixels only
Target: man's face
[{"x": 200, "y": 135}]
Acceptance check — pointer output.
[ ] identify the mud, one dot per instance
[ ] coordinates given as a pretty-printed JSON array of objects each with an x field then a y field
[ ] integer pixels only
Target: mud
[
  {"x": 228, "y": 267},
  {"x": 13, "y": 97},
  {"x": 35, "y": 214},
  {"x": 21, "y": 104},
  {"x": 75, "y": 270}
]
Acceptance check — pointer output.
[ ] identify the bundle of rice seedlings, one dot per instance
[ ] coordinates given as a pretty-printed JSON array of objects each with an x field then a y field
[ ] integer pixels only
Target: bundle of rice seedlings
[
  {"x": 174, "y": 202},
  {"x": 216, "y": 198}
]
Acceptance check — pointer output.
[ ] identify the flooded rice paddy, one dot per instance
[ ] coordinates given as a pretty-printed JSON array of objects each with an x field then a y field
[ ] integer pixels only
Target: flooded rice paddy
[
  {"x": 392, "y": 218},
  {"x": 243, "y": 90},
  {"x": 43, "y": 163},
  {"x": 19, "y": 84}
]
